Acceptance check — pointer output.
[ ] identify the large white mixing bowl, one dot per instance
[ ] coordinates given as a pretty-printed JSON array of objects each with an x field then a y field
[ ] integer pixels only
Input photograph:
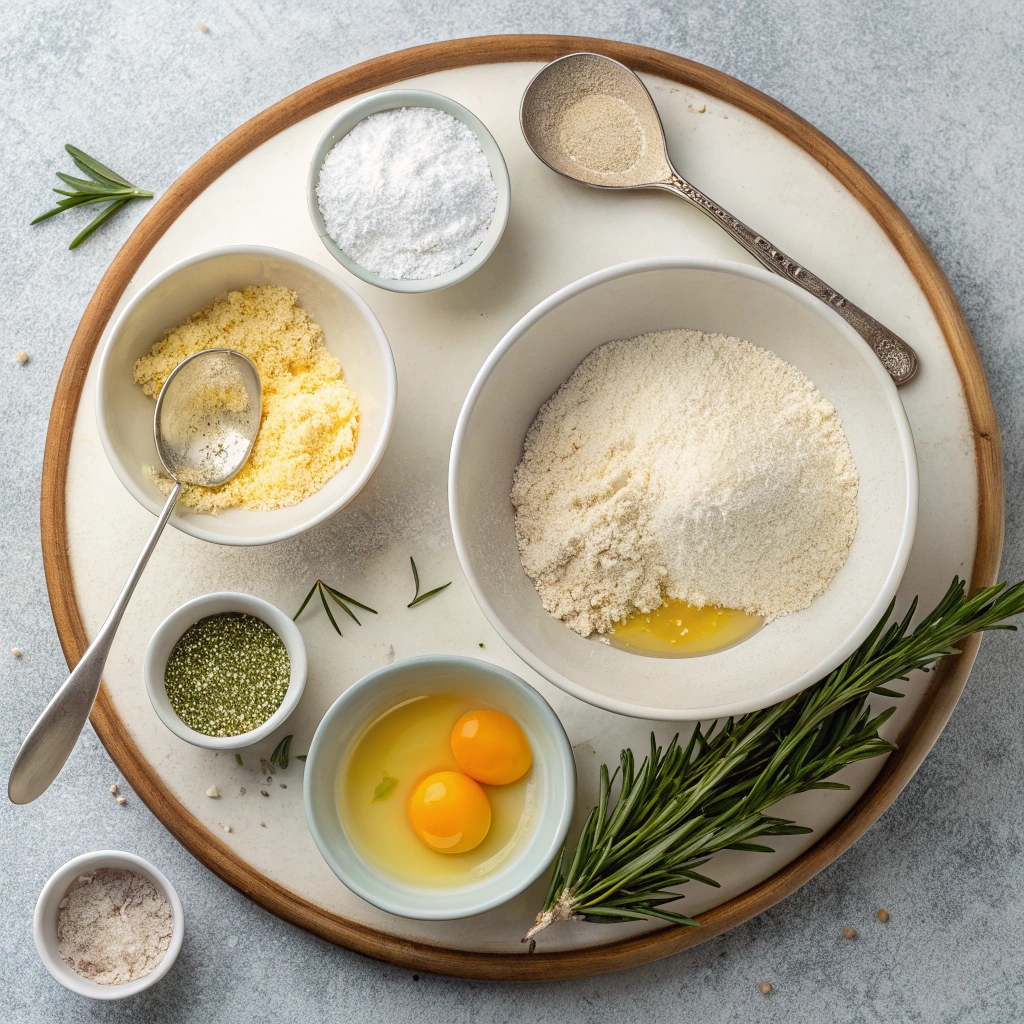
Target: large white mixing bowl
[{"x": 541, "y": 352}]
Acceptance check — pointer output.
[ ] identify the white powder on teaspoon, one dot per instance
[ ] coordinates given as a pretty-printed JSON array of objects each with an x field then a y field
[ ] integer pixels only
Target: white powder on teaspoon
[
  {"x": 408, "y": 193},
  {"x": 683, "y": 465}
]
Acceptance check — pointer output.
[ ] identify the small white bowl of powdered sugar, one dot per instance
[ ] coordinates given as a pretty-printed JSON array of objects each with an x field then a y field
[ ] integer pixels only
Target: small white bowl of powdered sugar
[
  {"x": 108, "y": 925},
  {"x": 409, "y": 191},
  {"x": 669, "y": 445}
]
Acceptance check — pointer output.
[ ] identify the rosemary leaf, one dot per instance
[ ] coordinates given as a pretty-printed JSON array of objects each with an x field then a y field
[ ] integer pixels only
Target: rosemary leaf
[
  {"x": 419, "y": 598},
  {"x": 327, "y": 608},
  {"x": 302, "y": 607},
  {"x": 99, "y": 219},
  {"x": 280, "y": 754},
  {"x": 350, "y": 600},
  {"x": 341, "y": 604},
  {"x": 430, "y": 593},
  {"x": 92, "y": 166}
]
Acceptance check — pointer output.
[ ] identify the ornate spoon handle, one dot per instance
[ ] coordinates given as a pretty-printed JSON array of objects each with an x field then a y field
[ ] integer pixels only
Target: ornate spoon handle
[{"x": 895, "y": 354}]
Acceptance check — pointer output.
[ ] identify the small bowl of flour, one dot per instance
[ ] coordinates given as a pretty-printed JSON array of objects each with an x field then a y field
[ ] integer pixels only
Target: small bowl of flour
[
  {"x": 409, "y": 191},
  {"x": 108, "y": 925}
]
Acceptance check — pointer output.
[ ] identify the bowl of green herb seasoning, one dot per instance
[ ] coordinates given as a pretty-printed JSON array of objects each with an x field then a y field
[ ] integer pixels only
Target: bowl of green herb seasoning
[{"x": 224, "y": 670}]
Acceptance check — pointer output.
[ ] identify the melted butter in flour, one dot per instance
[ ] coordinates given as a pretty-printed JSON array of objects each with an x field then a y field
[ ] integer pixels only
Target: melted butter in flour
[{"x": 678, "y": 629}]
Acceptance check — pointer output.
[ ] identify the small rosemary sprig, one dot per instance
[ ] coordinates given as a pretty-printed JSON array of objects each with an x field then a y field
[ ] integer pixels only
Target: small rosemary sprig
[
  {"x": 102, "y": 186},
  {"x": 343, "y": 600},
  {"x": 281, "y": 751},
  {"x": 687, "y": 804},
  {"x": 419, "y": 598}
]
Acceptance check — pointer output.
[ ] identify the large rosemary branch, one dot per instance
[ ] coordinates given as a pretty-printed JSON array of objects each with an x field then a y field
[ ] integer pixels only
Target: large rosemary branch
[{"x": 684, "y": 805}]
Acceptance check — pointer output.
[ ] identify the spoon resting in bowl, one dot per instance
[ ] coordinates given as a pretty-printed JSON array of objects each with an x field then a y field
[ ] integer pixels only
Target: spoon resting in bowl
[
  {"x": 591, "y": 119},
  {"x": 206, "y": 420}
]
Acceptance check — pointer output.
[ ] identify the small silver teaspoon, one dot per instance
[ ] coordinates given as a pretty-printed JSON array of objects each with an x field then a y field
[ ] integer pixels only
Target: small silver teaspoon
[
  {"x": 591, "y": 119},
  {"x": 206, "y": 420}
]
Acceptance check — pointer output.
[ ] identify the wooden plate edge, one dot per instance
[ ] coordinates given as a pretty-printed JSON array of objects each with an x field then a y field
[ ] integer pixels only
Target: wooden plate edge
[{"x": 914, "y": 742}]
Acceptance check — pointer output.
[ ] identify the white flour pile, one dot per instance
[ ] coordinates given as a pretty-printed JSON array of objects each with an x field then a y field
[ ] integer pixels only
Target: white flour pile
[
  {"x": 683, "y": 465},
  {"x": 408, "y": 193}
]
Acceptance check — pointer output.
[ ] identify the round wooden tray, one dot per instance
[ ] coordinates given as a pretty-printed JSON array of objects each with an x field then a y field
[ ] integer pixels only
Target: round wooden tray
[{"x": 918, "y": 733}]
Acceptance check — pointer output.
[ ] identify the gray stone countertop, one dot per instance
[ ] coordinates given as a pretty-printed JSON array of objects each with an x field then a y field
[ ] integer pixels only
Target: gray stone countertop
[{"x": 927, "y": 95}]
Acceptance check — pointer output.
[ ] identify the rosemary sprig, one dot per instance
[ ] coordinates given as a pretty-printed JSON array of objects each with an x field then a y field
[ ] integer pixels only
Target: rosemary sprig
[
  {"x": 343, "y": 600},
  {"x": 419, "y": 598},
  {"x": 102, "y": 186},
  {"x": 685, "y": 805}
]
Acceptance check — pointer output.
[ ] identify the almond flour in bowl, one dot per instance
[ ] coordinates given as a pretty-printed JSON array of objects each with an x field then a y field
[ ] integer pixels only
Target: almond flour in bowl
[{"x": 683, "y": 466}]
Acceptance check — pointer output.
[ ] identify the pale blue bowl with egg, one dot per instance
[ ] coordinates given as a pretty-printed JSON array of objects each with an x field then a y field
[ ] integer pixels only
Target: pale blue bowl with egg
[{"x": 553, "y": 777}]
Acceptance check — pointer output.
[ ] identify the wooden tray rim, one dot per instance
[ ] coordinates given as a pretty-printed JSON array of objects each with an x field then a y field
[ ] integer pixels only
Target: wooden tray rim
[{"x": 915, "y": 740}]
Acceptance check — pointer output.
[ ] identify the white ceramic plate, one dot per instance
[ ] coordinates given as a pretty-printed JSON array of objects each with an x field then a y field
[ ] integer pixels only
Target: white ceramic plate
[
  {"x": 125, "y": 415},
  {"x": 557, "y": 233},
  {"x": 541, "y": 352}
]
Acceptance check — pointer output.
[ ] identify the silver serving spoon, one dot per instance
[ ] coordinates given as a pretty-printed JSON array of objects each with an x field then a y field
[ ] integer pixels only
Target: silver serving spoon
[
  {"x": 591, "y": 119},
  {"x": 206, "y": 420}
]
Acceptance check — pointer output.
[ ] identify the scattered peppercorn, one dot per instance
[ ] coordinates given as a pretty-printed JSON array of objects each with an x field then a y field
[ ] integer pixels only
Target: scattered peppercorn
[
  {"x": 283, "y": 785},
  {"x": 883, "y": 916},
  {"x": 263, "y": 792},
  {"x": 849, "y": 933},
  {"x": 764, "y": 988}
]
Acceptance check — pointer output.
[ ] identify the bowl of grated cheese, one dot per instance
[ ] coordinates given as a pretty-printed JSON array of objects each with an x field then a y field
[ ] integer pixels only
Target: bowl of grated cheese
[
  {"x": 691, "y": 434},
  {"x": 328, "y": 378}
]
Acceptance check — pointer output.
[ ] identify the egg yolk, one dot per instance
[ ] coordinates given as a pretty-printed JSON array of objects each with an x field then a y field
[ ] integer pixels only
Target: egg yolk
[
  {"x": 491, "y": 747},
  {"x": 450, "y": 812}
]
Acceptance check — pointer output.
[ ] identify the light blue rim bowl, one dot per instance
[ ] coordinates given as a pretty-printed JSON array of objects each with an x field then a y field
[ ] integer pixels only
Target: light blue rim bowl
[
  {"x": 391, "y": 100},
  {"x": 554, "y": 770}
]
